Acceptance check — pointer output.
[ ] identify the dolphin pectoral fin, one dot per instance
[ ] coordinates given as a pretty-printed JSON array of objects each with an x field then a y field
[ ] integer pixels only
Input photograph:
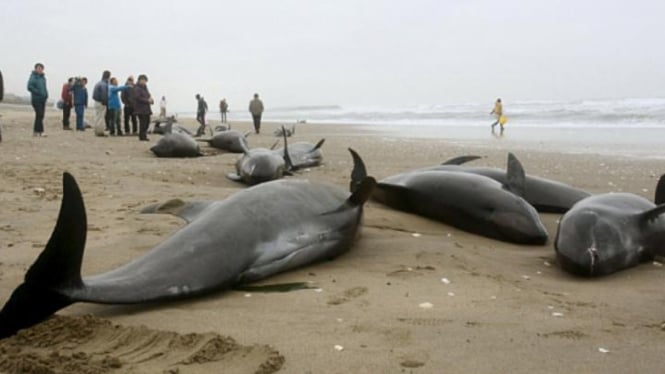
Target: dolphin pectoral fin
[
  {"x": 318, "y": 145},
  {"x": 187, "y": 211},
  {"x": 234, "y": 177},
  {"x": 287, "y": 157},
  {"x": 460, "y": 160},
  {"x": 56, "y": 269},
  {"x": 515, "y": 176},
  {"x": 660, "y": 191},
  {"x": 359, "y": 171}
]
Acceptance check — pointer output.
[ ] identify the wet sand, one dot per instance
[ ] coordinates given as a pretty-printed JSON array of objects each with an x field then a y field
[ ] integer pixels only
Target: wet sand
[{"x": 502, "y": 308}]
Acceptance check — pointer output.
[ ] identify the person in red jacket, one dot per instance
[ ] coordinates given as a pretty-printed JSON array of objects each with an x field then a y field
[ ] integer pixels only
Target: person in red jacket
[{"x": 67, "y": 103}]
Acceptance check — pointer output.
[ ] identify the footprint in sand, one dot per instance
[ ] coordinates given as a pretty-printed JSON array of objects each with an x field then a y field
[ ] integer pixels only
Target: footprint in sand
[
  {"x": 88, "y": 344},
  {"x": 347, "y": 295}
]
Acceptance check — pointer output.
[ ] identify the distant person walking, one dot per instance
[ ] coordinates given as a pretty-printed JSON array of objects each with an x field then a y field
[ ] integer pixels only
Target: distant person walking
[
  {"x": 38, "y": 96},
  {"x": 66, "y": 97},
  {"x": 100, "y": 94},
  {"x": 498, "y": 112},
  {"x": 114, "y": 106},
  {"x": 142, "y": 103},
  {"x": 128, "y": 108},
  {"x": 223, "y": 109},
  {"x": 2, "y": 94},
  {"x": 256, "y": 108},
  {"x": 80, "y": 101},
  {"x": 162, "y": 107},
  {"x": 201, "y": 110}
]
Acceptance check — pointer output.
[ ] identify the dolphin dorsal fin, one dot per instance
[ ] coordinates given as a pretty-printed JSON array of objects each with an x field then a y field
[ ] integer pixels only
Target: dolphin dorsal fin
[
  {"x": 653, "y": 214},
  {"x": 318, "y": 145},
  {"x": 168, "y": 128},
  {"x": 363, "y": 192},
  {"x": 460, "y": 160},
  {"x": 187, "y": 211},
  {"x": 359, "y": 171},
  {"x": 287, "y": 157},
  {"x": 60, "y": 262},
  {"x": 660, "y": 191},
  {"x": 515, "y": 176}
]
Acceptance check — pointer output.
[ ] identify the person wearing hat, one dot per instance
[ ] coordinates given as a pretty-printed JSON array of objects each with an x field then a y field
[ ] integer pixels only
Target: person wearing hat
[{"x": 142, "y": 103}]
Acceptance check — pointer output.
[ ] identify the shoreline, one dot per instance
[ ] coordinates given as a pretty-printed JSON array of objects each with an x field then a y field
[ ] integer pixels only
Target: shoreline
[{"x": 506, "y": 308}]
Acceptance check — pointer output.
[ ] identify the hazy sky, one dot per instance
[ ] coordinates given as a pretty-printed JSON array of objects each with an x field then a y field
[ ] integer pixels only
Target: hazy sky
[{"x": 347, "y": 52}]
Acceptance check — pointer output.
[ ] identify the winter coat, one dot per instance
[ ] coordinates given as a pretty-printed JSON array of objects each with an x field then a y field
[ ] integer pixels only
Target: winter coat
[
  {"x": 37, "y": 87},
  {"x": 141, "y": 97}
]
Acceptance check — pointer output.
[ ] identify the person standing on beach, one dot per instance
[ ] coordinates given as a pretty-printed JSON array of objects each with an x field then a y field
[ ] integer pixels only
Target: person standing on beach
[
  {"x": 80, "y": 101},
  {"x": 38, "y": 96},
  {"x": 162, "y": 107},
  {"x": 142, "y": 103},
  {"x": 100, "y": 94},
  {"x": 114, "y": 106},
  {"x": 66, "y": 97},
  {"x": 223, "y": 109},
  {"x": 128, "y": 108},
  {"x": 201, "y": 110},
  {"x": 256, "y": 109},
  {"x": 498, "y": 112}
]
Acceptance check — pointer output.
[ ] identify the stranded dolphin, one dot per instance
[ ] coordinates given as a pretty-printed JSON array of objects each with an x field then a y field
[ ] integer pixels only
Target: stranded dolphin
[
  {"x": 255, "y": 233},
  {"x": 229, "y": 140},
  {"x": 471, "y": 202},
  {"x": 260, "y": 165},
  {"x": 304, "y": 154},
  {"x": 175, "y": 144},
  {"x": 606, "y": 233},
  {"x": 545, "y": 195}
]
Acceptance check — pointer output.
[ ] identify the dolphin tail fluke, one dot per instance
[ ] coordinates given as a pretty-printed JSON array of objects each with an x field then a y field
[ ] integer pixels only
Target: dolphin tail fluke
[
  {"x": 515, "y": 178},
  {"x": 58, "y": 267},
  {"x": 660, "y": 191},
  {"x": 460, "y": 160},
  {"x": 362, "y": 192},
  {"x": 359, "y": 171}
]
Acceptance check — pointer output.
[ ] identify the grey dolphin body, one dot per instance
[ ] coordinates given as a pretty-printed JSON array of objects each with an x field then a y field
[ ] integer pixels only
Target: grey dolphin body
[
  {"x": 545, "y": 195},
  {"x": 175, "y": 144},
  {"x": 606, "y": 233},
  {"x": 255, "y": 233},
  {"x": 471, "y": 202},
  {"x": 230, "y": 140},
  {"x": 259, "y": 165},
  {"x": 304, "y": 154}
]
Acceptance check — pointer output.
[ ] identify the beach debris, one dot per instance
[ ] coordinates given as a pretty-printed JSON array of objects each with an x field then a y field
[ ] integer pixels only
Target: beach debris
[
  {"x": 557, "y": 314},
  {"x": 451, "y": 294},
  {"x": 416, "y": 235},
  {"x": 656, "y": 263},
  {"x": 550, "y": 307},
  {"x": 645, "y": 190},
  {"x": 248, "y": 295},
  {"x": 340, "y": 320},
  {"x": 493, "y": 297},
  {"x": 426, "y": 305},
  {"x": 39, "y": 191},
  {"x": 338, "y": 348},
  {"x": 445, "y": 280},
  {"x": 539, "y": 272},
  {"x": 546, "y": 263},
  {"x": 603, "y": 350},
  {"x": 526, "y": 277},
  {"x": 318, "y": 290}
]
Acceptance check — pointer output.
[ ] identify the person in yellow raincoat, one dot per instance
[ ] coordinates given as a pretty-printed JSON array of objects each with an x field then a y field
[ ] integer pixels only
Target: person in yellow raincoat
[{"x": 498, "y": 112}]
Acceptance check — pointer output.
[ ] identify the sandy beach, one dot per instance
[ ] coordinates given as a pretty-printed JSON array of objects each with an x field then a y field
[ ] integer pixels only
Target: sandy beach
[{"x": 493, "y": 306}]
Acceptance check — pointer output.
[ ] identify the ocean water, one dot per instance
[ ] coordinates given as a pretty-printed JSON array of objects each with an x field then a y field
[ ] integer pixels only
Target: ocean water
[
  {"x": 625, "y": 127},
  {"x": 631, "y": 113}
]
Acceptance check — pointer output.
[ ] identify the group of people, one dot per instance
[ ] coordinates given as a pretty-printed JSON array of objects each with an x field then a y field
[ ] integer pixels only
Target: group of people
[
  {"x": 134, "y": 101},
  {"x": 255, "y": 108}
]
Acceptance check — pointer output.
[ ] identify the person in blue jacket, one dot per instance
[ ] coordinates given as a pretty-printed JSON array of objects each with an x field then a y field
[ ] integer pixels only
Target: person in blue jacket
[
  {"x": 80, "y": 94},
  {"x": 114, "y": 106},
  {"x": 38, "y": 96}
]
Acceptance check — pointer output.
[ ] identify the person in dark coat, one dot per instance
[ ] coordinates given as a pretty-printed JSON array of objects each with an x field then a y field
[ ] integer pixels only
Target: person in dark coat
[
  {"x": 80, "y": 101},
  {"x": 128, "y": 106},
  {"x": 142, "y": 102},
  {"x": 38, "y": 96}
]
